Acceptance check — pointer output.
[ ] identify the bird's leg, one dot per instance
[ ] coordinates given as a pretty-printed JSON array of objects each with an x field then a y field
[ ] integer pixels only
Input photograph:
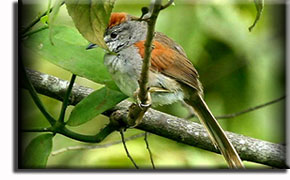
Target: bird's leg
[
  {"x": 136, "y": 112},
  {"x": 148, "y": 103}
]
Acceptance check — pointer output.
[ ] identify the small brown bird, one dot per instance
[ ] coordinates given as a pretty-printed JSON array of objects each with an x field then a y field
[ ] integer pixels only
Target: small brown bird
[{"x": 172, "y": 75}]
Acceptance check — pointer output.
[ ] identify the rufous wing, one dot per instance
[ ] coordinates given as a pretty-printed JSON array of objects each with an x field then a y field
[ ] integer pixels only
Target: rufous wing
[{"x": 169, "y": 58}]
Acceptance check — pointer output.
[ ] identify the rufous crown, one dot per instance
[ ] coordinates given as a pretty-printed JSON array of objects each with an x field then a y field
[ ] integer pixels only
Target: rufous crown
[{"x": 117, "y": 18}]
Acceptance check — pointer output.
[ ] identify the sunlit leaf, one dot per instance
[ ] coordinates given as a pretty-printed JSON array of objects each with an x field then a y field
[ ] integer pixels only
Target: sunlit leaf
[
  {"x": 52, "y": 17},
  {"x": 91, "y": 18},
  {"x": 37, "y": 152},
  {"x": 69, "y": 52},
  {"x": 44, "y": 19},
  {"x": 259, "y": 6},
  {"x": 93, "y": 105}
]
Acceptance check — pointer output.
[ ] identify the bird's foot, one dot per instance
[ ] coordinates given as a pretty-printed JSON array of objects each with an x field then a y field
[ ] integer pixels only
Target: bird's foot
[{"x": 137, "y": 115}]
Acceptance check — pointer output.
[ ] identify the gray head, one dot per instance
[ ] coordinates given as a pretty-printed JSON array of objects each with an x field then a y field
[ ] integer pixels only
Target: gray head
[{"x": 123, "y": 31}]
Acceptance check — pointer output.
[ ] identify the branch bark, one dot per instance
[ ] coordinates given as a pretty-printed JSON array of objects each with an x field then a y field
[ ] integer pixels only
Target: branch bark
[
  {"x": 178, "y": 129},
  {"x": 145, "y": 101},
  {"x": 143, "y": 81}
]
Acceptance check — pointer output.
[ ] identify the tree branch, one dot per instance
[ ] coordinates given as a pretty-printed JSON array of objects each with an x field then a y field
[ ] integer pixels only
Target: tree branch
[
  {"x": 135, "y": 117},
  {"x": 168, "y": 126},
  {"x": 143, "y": 81}
]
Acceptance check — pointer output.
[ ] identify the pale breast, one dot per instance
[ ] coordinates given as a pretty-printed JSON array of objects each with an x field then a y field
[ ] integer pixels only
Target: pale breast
[{"x": 125, "y": 69}]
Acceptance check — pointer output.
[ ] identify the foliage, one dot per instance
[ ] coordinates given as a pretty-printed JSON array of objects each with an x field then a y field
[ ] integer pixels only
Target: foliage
[
  {"x": 91, "y": 18},
  {"x": 93, "y": 105},
  {"x": 259, "y": 6},
  {"x": 52, "y": 18},
  {"x": 37, "y": 152},
  {"x": 69, "y": 52}
]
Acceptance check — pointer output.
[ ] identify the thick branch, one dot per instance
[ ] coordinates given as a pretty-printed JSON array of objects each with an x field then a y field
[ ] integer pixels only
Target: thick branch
[
  {"x": 56, "y": 88},
  {"x": 168, "y": 126}
]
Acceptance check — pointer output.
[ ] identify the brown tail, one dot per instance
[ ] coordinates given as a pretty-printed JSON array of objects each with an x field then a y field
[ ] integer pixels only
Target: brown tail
[{"x": 216, "y": 133}]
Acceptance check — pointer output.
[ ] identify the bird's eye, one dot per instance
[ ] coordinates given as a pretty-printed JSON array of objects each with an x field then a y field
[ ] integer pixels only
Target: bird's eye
[{"x": 114, "y": 35}]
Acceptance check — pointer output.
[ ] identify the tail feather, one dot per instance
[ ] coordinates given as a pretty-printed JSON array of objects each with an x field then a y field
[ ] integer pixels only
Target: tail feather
[{"x": 215, "y": 131}]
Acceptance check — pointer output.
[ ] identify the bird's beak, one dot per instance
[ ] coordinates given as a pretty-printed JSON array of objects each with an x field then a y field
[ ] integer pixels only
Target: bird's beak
[{"x": 91, "y": 46}]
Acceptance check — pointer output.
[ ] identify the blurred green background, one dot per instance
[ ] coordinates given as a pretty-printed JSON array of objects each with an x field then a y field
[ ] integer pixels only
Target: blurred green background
[{"x": 238, "y": 69}]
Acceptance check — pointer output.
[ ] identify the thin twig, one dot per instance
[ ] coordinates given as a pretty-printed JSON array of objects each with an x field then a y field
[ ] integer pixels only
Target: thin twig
[
  {"x": 135, "y": 115},
  {"x": 48, "y": 129},
  {"x": 143, "y": 81},
  {"x": 148, "y": 148},
  {"x": 60, "y": 151},
  {"x": 35, "y": 21},
  {"x": 125, "y": 147},
  {"x": 66, "y": 98},
  {"x": 34, "y": 95},
  {"x": 228, "y": 116},
  {"x": 100, "y": 136},
  {"x": 170, "y": 2},
  {"x": 34, "y": 31},
  {"x": 49, "y": 8}
]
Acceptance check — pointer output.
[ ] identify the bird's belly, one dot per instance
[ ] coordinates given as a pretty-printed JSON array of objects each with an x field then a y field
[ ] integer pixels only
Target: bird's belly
[
  {"x": 126, "y": 83},
  {"x": 126, "y": 75},
  {"x": 123, "y": 73}
]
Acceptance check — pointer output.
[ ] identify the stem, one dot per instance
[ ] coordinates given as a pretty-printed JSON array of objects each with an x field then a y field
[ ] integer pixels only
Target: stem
[
  {"x": 37, "y": 130},
  {"x": 98, "y": 146},
  {"x": 144, "y": 105},
  {"x": 76, "y": 136},
  {"x": 66, "y": 99},
  {"x": 148, "y": 148},
  {"x": 49, "y": 8},
  {"x": 35, "y": 31},
  {"x": 85, "y": 138},
  {"x": 147, "y": 56},
  {"x": 35, "y": 97},
  {"x": 35, "y": 21},
  {"x": 169, "y": 3},
  {"x": 228, "y": 116},
  {"x": 125, "y": 147}
]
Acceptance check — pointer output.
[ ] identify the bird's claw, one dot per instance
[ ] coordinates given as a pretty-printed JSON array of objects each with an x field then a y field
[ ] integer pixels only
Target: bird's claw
[{"x": 145, "y": 105}]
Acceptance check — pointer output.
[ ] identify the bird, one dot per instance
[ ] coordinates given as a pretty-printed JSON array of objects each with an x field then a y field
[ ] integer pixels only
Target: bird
[{"x": 171, "y": 74}]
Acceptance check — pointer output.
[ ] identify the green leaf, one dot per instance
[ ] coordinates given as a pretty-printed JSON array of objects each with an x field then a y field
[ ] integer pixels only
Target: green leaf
[
  {"x": 69, "y": 52},
  {"x": 44, "y": 19},
  {"x": 93, "y": 105},
  {"x": 37, "y": 152},
  {"x": 259, "y": 7},
  {"x": 91, "y": 17},
  {"x": 52, "y": 18}
]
